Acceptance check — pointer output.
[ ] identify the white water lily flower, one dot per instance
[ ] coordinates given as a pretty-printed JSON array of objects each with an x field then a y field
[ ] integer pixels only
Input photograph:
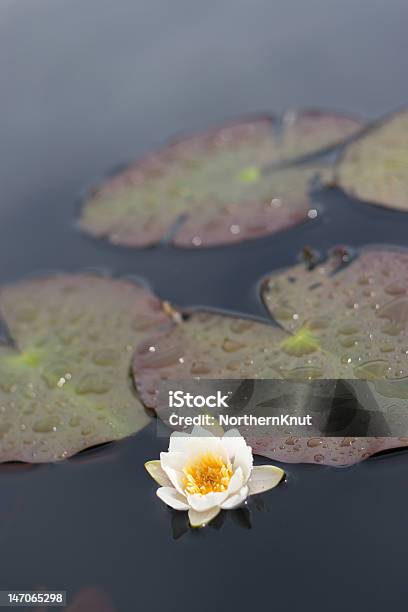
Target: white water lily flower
[{"x": 204, "y": 474}]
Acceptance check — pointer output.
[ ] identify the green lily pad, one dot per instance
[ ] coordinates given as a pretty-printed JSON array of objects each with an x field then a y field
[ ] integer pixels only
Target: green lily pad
[
  {"x": 65, "y": 384},
  {"x": 374, "y": 168},
  {"x": 217, "y": 187}
]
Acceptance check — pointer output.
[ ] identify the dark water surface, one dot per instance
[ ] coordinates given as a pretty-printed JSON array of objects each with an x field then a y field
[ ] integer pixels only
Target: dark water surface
[{"x": 88, "y": 84}]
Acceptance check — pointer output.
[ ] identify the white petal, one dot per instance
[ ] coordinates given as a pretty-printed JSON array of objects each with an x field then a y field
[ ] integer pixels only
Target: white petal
[
  {"x": 215, "y": 428},
  {"x": 173, "y": 460},
  {"x": 204, "y": 441},
  {"x": 200, "y": 432},
  {"x": 178, "y": 442},
  {"x": 157, "y": 473},
  {"x": 192, "y": 446},
  {"x": 235, "y": 500},
  {"x": 210, "y": 445},
  {"x": 177, "y": 479},
  {"x": 182, "y": 441},
  {"x": 240, "y": 454},
  {"x": 172, "y": 464},
  {"x": 199, "y": 519},
  {"x": 263, "y": 478},
  {"x": 172, "y": 498},
  {"x": 233, "y": 433},
  {"x": 236, "y": 482},
  {"x": 205, "y": 502}
]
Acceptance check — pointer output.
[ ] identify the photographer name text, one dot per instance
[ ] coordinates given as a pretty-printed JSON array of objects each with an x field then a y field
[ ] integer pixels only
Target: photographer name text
[{"x": 246, "y": 420}]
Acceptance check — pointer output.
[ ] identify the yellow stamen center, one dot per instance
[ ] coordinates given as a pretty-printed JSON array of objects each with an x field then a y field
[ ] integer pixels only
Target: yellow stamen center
[{"x": 207, "y": 473}]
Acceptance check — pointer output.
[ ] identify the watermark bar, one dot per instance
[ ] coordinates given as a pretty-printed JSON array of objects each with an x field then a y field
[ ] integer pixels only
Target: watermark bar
[{"x": 259, "y": 407}]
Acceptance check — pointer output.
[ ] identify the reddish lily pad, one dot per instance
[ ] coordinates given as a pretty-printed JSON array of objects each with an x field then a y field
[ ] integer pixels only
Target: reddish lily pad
[
  {"x": 215, "y": 188},
  {"x": 353, "y": 324},
  {"x": 307, "y": 132},
  {"x": 357, "y": 318},
  {"x": 207, "y": 345},
  {"x": 337, "y": 452},
  {"x": 359, "y": 314},
  {"x": 375, "y": 167},
  {"x": 216, "y": 346},
  {"x": 65, "y": 384}
]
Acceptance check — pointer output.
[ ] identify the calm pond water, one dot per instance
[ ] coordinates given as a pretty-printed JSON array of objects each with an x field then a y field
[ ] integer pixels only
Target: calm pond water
[{"x": 87, "y": 85}]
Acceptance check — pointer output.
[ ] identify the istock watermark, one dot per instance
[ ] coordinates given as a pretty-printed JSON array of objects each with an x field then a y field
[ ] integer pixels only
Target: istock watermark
[
  {"x": 330, "y": 408},
  {"x": 180, "y": 399}
]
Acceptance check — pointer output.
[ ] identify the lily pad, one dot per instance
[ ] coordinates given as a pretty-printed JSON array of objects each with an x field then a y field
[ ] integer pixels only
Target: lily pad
[
  {"x": 308, "y": 132},
  {"x": 374, "y": 168},
  {"x": 64, "y": 382},
  {"x": 356, "y": 316},
  {"x": 217, "y": 187},
  {"x": 359, "y": 313},
  {"x": 344, "y": 326},
  {"x": 218, "y": 346},
  {"x": 207, "y": 345}
]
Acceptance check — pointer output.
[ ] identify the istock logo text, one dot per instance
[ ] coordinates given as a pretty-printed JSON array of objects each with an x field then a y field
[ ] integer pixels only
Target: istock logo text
[{"x": 179, "y": 399}]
